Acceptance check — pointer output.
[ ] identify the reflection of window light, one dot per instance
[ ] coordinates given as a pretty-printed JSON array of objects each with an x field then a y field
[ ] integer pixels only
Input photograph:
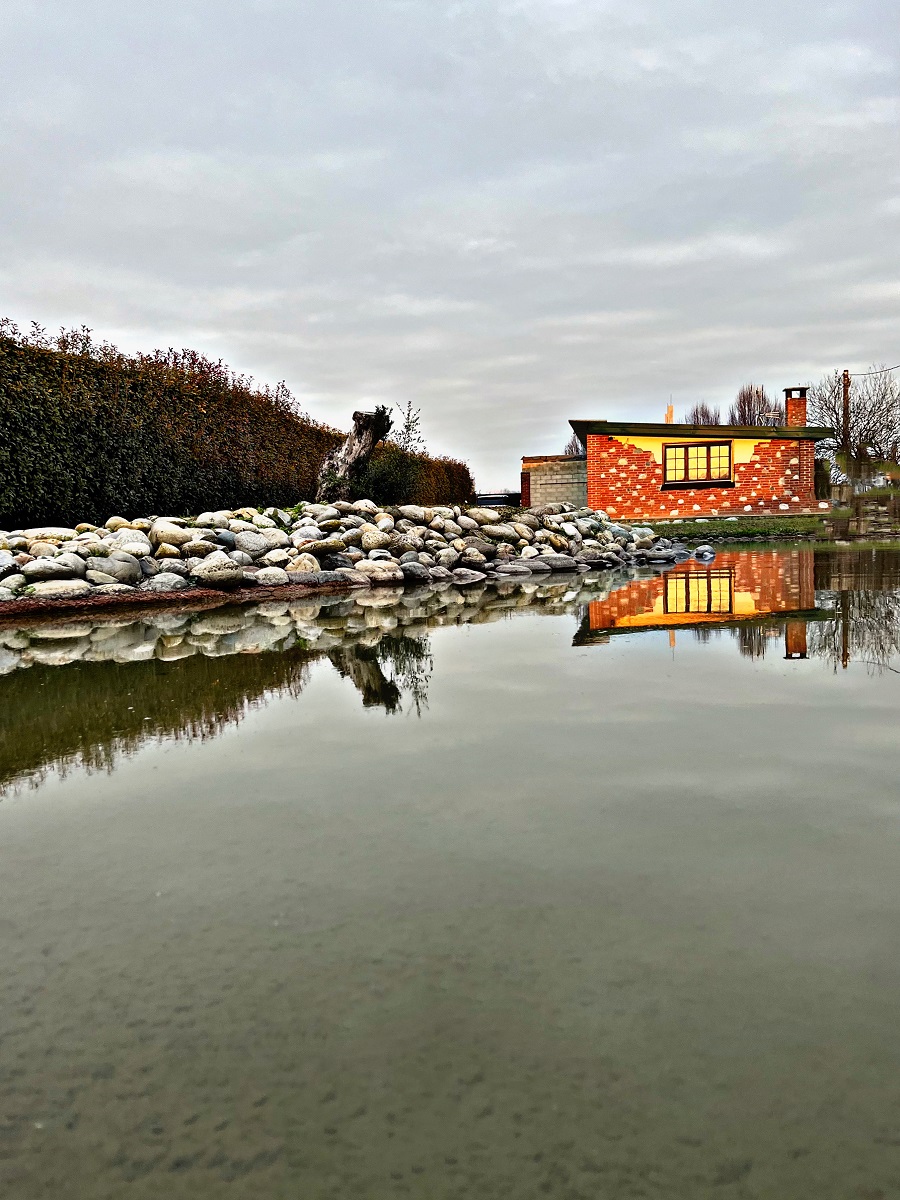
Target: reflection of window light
[
  {"x": 699, "y": 592},
  {"x": 704, "y": 462}
]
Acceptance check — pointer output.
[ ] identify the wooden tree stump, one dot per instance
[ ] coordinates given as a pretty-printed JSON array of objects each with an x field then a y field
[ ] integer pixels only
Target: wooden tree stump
[{"x": 342, "y": 465}]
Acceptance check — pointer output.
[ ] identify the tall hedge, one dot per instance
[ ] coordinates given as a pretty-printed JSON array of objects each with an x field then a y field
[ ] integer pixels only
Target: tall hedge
[{"x": 87, "y": 431}]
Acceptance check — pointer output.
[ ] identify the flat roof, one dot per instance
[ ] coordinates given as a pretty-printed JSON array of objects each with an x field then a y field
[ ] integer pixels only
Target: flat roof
[
  {"x": 812, "y": 433},
  {"x": 539, "y": 458}
]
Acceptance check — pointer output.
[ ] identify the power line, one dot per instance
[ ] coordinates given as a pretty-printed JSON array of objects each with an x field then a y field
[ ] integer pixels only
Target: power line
[{"x": 882, "y": 371}]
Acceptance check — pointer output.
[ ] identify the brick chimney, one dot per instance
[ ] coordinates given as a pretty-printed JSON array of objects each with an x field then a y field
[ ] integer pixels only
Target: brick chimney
[{"x": 795, "y": 407}]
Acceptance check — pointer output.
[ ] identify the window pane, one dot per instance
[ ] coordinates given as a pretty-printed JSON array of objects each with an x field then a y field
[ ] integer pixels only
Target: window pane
[
  {"x": 720, "y": 594},
  {"x": 697, "y": 462},
  {"x": 675, "y": 464},
  {"x": 720, "y": 462},
  {"x": 676, "y": 594}
]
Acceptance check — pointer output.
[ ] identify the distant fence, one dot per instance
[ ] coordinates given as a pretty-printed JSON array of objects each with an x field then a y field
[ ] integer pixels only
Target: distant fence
[{"x": 498, "y": 499}]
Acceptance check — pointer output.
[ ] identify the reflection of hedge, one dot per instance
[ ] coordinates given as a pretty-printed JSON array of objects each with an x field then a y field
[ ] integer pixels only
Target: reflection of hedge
[
  {"x": 92, "y": 717},
  {"x": 86, "y": 431}
]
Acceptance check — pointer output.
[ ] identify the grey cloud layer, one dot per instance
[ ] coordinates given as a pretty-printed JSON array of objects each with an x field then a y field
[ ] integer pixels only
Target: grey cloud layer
[{"x": 510, "y": 212}]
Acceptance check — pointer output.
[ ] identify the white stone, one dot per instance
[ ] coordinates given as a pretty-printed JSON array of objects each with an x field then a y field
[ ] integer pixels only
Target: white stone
[
  {"x": 170, "y": 533},
  {"x": 60, "y": 589},
  {"x": 272, "y": 577}
]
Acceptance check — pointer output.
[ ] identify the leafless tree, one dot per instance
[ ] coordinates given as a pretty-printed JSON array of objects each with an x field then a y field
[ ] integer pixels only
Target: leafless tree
[
  {"x": 873, "y": 436},
  {"x": 702, "y": 414},
  {"x": 574, "y": 447},
  {"x": 754, "y": 406}
]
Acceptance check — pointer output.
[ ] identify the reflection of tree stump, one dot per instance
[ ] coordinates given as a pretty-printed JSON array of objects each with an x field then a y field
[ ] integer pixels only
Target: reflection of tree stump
[
  {"x": 349, "y": 460},
  {"x": 360, "y": 665}
]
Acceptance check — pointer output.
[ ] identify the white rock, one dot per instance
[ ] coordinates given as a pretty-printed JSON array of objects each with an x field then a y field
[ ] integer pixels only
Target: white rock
[
  {"x": 304, "y": 562},
  {"x": 56, "y": 533},
  {"x": 170, "y": 533},
  {"x": 60, "y": 589},
  {"x": 272, "y": 577}
]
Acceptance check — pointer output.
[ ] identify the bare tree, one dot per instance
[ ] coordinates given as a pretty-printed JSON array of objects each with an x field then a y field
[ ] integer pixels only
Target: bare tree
[
  {"x": 754, "y": 406},
  {"x": 873, "y": 436},
  {"x": 574, "y": 447},
  {"x": 702, "y": 414}
]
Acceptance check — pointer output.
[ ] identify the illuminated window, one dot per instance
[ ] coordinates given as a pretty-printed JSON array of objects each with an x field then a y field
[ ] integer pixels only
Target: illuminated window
[
  {"x": 698, "y": 592},
  {"x": 706, "y": 462}
]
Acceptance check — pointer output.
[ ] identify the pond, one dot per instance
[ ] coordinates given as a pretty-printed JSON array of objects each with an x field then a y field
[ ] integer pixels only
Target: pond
[{"x": 584, "y": 888}]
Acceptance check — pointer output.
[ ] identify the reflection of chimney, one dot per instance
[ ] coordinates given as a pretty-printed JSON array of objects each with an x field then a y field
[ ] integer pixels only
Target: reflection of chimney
[
  {"x": 795, "y": 639},
  {"x": 795, "y": 407}
]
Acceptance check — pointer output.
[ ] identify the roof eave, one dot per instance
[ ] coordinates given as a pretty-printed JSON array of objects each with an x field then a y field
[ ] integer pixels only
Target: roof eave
[{"x": 815, "y": 433}]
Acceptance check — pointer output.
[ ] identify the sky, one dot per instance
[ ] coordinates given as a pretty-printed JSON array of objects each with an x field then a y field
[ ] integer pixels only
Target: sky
[{"x": 510, "y": 212}]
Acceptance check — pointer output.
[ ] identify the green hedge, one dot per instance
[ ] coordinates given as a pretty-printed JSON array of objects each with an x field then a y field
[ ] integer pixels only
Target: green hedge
[{"x": 87, "y": 431}]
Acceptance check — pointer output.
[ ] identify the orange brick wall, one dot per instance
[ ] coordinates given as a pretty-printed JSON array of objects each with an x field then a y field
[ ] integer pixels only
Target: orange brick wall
[{"x": 627, "y": 483}]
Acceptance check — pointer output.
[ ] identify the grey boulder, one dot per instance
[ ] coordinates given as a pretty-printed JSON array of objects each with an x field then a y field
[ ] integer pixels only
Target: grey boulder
[
  {"x": 512, "y": 568},
  {"x": 415, "y": 572},
  {"x": 558, "y": 562},
  {"x": 253, "y": 544},
  {"x": 47, "y": 568},
  {"x": 218, "y": 571},
  {"x": 165, "y": 581},
  {"x": 122, "y": 568}
]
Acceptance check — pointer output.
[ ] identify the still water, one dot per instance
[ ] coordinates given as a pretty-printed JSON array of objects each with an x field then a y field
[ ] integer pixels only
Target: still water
[{"x": 587, "y": 888}]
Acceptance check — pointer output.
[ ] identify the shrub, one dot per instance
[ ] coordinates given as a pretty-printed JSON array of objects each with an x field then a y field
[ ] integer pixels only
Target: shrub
[
  {"x": 87, "y": 431},
  {"x": 395, "y": 476}
]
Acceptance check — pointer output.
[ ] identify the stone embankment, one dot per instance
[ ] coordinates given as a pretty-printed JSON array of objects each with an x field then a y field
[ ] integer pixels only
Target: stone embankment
[{"x": 344, "y": 545}]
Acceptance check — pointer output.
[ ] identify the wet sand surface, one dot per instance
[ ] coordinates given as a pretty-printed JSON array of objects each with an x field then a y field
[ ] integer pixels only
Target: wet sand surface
[{"x": 609, "y": 920}]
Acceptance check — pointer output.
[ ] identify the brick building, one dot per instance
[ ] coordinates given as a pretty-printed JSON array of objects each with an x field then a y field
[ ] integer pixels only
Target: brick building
[{"x": 642, "y": 471}]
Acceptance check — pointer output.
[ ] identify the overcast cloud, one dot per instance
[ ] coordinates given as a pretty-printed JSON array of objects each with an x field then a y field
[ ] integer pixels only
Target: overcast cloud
[{"x": 511, "y": 212}]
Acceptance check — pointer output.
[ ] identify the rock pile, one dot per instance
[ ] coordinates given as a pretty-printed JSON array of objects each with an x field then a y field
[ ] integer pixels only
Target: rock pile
[{"x": 353, "y": 545}]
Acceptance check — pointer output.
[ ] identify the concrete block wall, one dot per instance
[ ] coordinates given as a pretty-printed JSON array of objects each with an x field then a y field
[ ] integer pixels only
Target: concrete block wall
[{"x": 555, "y": 479}]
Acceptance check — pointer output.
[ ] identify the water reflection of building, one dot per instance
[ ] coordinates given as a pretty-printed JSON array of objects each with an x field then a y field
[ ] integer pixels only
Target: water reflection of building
[{"x": 737, "y": 586}]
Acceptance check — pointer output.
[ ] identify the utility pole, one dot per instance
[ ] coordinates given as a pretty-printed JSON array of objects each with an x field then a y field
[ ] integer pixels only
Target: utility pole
[{"x": 845, "y": 440}]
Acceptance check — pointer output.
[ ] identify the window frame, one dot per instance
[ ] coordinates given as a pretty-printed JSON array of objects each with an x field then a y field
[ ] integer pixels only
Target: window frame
[{"x": 707, "y": 481}]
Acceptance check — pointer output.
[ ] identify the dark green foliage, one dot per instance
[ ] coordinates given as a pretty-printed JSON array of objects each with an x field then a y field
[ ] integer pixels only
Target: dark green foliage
[
  {"x": 395, "y": 476},
  {"x": 87, "y": 431}
]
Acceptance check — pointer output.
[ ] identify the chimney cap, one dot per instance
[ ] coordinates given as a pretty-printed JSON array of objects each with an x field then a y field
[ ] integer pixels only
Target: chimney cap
[{"x": 795, "y": 393}]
